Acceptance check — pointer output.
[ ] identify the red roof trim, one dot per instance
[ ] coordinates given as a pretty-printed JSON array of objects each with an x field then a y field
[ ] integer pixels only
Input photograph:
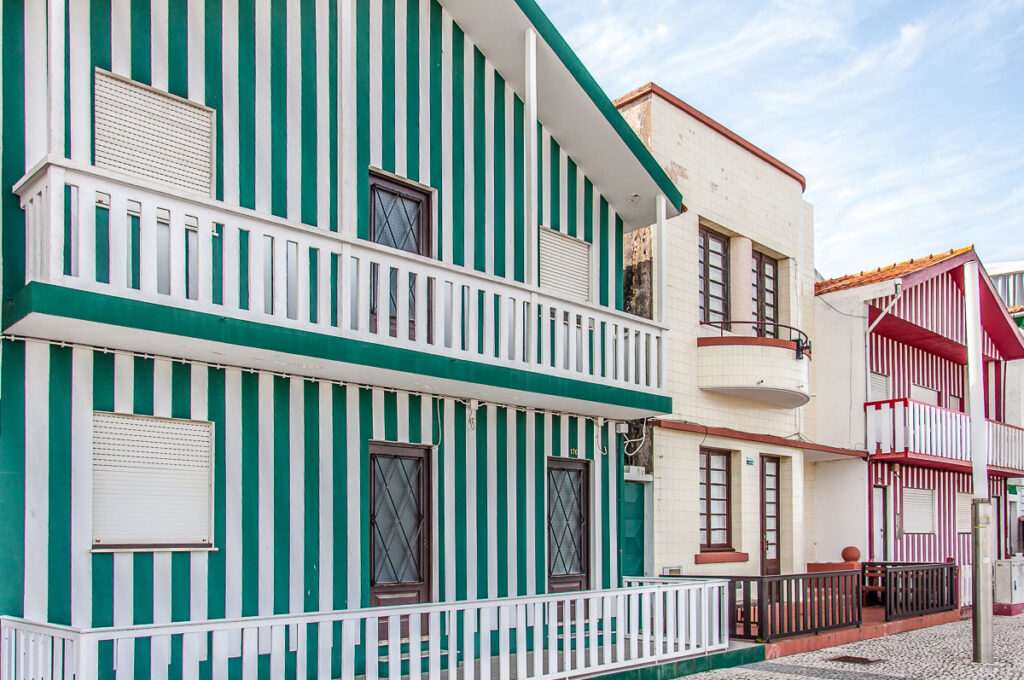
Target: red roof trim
[
  {"x": 651, "y": 88},
  {"x": 756, "y": 437}
]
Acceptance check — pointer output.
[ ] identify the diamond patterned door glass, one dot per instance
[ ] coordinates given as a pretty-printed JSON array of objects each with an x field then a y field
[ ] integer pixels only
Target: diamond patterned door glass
[
  {"x": 397, "y": 519},
  {"x": 399, "y": 216},
  {"x": 565, "y": 521}
]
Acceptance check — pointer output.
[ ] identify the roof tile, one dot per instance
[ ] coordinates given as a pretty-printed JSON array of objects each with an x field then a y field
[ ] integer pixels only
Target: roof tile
[{"x": 891, "y": 271}]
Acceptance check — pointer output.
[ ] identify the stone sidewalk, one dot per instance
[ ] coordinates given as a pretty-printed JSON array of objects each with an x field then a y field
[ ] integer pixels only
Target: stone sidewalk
[{"x": 934, "y": 653}]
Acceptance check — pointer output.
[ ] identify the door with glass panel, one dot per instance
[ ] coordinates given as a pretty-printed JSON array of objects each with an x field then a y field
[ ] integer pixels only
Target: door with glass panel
[
  {"x": 770, "y": 516},
  {"x": 568, "y": 515},
  {"x": 399, "y": 524}
]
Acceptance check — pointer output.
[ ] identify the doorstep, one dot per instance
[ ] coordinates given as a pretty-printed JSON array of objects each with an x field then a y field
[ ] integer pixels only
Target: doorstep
[
  {"x": 867, "y": 631},
  {"x": 739, "y": 653}
]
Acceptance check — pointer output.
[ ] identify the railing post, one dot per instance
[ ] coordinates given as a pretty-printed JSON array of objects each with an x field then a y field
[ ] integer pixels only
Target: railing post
[{"x": 86, "y": 657}]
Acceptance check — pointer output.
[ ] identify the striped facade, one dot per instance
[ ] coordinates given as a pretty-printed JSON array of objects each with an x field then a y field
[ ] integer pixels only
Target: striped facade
[
  {"x": 946, "y": 543},
  {"x": 291, "y": 512}
]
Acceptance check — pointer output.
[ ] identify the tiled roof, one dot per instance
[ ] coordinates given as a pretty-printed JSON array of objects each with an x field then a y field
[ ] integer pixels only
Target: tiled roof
[
  {"x": 1014, "y": 310},
  {"x": 891, "y": 271}
]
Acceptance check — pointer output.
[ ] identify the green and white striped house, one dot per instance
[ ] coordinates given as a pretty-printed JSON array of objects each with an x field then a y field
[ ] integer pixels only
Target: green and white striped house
[{"x": 313, "y": 354}]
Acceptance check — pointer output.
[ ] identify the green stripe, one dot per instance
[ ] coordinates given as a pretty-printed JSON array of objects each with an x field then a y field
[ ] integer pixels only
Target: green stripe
[
  {"x": 519, "y": 206},
  {"x": 102, "y": 242},
  {"x": 611, "y": 474},
  {"x": 142, "y": 608},
  {"x": 68, "y": 235},
  {"x": 279, "y": 175},
  {"x": 67, "y": 80},
  {"x": 458, "y": 146},
  {"x": 390, "y": 416},
  {"x": 436, "y": 150},
  {"x": 282, "y": 497},
  {"x": 12, "y": 158},
  {"x": 555, "y": 197},
  {"x": 570, "y": 196},
  {"x": 217, "y": 264},
  {"x": 522, "y": 530},
  {"x": 181, "y": 605},
  {"x": 181, "y": 390},
  {"x": 102, "y": 563},
  {"x": 460, "y": 500},
  {"x": 588, "y": 210},
  {"x": 541, "y": 516},
  {"x": 483, "y": 503},
  {"x": 243, "y": 269},
  {"x": 387, "y": 89},
  {"x": 247, "y": 103},
  {"x": 501, "y": 502},
  {"x": 216, "y": 569},
  {"x": 142, "y": 396},
  {"x": 335, "y": 257},
  {"x": 339, "y": 471},
  {"x": 309, "y": 148},
  {"x": 214, "y": 69},
  {"x": 415, "y": 418},
  {"x": 412, "y": 90},
  {"x": 606, "y": 236},
  {"x": 311, "y": 507},
  {"x": 177, "y": 47},
  {"x": 540, "y": 175},
  {"x": 479, "y": 160},
  {"x": 619, "y": 234},
  {"x": 332, "y": 77},
  {"x": 135, "y": 246},
  {"x": 250, "y": 494},
  {"x": 366, "y": 432},
  {"x": 59, "y": 491},
  {"x": 362, "y": 32},
  {"x": 499, "y": 175},
  {"x": 437, "y": 406},
  {"x": 141, "y": 68},
  {"x": 314, "y": 288}
]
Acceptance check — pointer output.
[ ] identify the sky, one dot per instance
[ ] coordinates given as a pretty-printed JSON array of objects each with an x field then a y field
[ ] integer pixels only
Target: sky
[{"x": 906, "y": 118}]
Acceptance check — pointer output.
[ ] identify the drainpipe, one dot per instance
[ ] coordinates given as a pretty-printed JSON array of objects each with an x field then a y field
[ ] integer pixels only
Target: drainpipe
[{"x": 867, "y": 352}]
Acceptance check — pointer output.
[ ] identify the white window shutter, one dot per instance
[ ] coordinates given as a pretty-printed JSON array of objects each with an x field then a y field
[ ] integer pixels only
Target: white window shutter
[
  {"x": 963, "y": 513},
  {"x": 918, "y": 511},
  {"x": 153, "y": 134},
  {"x": 925, "y": 395},
  {"x": 878, "y": 387},
  {"x": 152, "y": 481},
  {"x": 564, "y": 264}
]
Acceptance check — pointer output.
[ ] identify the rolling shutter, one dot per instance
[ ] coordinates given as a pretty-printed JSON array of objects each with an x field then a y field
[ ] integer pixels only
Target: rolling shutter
[
  {"x": 925, "y": 395},
  {"x": 564, "y": 264},
  {"x": 878, "y": 387},
  {"x": 151, "y": 481},
  {"x": 146, "y": 132},
  {"x": 963, "y": 513},
  {"x": 918, "y": 511}
]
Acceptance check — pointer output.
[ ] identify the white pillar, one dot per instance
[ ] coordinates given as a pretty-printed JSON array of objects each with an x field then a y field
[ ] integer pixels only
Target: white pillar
[
  {"x": 530, "y": 102},
  {"x": 741, "y": 306}
]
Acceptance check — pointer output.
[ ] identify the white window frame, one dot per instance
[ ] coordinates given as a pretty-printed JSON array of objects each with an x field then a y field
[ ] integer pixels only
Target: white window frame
[{"x": 932, "y": 516}]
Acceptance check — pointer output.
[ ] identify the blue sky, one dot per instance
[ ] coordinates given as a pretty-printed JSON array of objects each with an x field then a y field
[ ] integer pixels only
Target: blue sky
[{"x": 906, "y": 118}]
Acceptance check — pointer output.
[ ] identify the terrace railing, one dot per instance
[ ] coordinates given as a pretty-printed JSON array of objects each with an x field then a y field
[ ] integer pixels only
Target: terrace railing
[{"x": 912, "y": 589}]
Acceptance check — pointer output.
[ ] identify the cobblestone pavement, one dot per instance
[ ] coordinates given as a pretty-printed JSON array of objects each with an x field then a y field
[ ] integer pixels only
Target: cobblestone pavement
[{"x": 935, "y": 653}]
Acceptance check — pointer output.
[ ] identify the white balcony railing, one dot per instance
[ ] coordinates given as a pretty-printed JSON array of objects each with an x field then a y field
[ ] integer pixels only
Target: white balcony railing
[
  {"x": 907, "y": 426},
  {"x": 125, "y": 237},
  {"x": 568, "y": 635}
]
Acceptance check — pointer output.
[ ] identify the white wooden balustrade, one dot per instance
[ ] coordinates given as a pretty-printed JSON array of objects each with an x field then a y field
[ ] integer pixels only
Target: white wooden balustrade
[
  {"x": 566, "y": 635},
  {"x": 96, "y": 230},
  {"x": 907, "y": 426}
]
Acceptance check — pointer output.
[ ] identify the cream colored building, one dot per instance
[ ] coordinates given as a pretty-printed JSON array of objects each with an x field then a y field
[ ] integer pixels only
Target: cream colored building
[{"x": 741, "y": 253}]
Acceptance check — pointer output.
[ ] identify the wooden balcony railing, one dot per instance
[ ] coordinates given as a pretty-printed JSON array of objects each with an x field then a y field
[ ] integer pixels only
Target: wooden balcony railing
[
  {"x": 912, "y": 589},
  {"x": 100, "y": 231}
]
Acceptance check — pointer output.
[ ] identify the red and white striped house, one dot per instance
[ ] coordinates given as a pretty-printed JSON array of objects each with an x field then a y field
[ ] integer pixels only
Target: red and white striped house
[{"x": 892, "y": 362}]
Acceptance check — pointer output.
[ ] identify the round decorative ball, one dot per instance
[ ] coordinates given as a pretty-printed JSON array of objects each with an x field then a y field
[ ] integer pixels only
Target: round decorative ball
[{"x": 851, "y": 554}]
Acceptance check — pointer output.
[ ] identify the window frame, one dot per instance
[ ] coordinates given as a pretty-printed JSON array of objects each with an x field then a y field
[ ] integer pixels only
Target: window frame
[
  {"x": 704, "y": 239},
  {"x": 758, "y": 261},
  {"x": 934, "y": 512},
  {"x": 407, "y": 190},
  {"x": 704, "y": 487}
]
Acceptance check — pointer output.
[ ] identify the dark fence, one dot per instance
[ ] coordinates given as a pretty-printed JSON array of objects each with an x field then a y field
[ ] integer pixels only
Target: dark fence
[
  {"x": 914, "y": 589},
  {"x": 771, "y": 607}
]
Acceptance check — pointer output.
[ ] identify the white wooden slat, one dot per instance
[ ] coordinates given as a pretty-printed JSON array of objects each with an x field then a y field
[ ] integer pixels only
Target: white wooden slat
[
  {"x": 468, "y": 646},
  {"x": 521, "y": 616},
  {"x": 551, "y": 616},
  {"x": 415, "y": 649},
  {"x": 581, "y": 624},
  {"x": 503, "y": 644},
  {"x": 370, "y": 635},
  {"x": 564, "y": 264},
  {"x": 434, "y": 645},
  {"x": 176, "y": 253},
  {"x": 250, "y": 659},
  {"x": 538, "y": 638},
  {"x": 83, "y": 231},
  {"x": 280, "y": 278},
  {"x": 402, "y": 304},
  {"x": 486, "y": 625},
  {"x": 394, "y": 647}
]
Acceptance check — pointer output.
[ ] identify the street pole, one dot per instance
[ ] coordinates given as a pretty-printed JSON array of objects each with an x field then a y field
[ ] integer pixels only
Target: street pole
[{"x": 981, "y": 507}]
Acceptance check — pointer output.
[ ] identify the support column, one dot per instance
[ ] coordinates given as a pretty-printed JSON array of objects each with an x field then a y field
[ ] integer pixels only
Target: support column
[
  {"x": 982, "y": 507},
  {"x": 741, "y": 306}
]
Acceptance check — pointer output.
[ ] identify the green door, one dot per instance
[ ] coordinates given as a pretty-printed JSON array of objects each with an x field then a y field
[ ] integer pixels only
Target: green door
[{"x": 633, "y": 529}]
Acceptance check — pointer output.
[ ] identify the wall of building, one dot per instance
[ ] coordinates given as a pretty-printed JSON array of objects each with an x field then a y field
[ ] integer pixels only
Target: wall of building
[
  {"x": 838, "y": 367},
  {"x": 841, "y": 502},
  {"x": 291, "y": 527}
]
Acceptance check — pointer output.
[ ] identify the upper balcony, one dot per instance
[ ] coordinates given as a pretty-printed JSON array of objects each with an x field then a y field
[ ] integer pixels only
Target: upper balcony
[
  {"x": 770, "y": 367},
  {"x": 936, "y": 436},
  {"x": 116, "y": 261}
]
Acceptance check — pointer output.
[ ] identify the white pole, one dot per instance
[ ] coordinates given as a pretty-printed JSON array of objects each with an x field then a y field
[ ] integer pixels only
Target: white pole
[{"x": 981, "y": 511}]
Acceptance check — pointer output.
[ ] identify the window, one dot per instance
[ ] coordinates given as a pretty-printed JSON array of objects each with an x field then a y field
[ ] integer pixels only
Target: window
[
  {"x": 963, "y": 513},
  {"x": 918, "y": 511},
  {"x": 151, "y": 133},
  {"x": 714, "y": 276},
  {"x": 400, "y": 215},
  {"x": 878, "y": 387},
  {"x": 764, "y": 280},
  {"x": 151, "y": 481},
  {"x": 564, "y": 264},
  {"x": 956, "y": 403},
  {"x": 715, "y": 528},
  {"x": 925, "y": 395}
]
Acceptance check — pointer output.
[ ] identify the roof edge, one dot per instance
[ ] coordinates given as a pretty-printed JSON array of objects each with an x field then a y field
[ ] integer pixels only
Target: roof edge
[
  {"x": 684, "y": 426},
  {"x": 652, "y": 88},
  {"x": 572, "y": 63}
]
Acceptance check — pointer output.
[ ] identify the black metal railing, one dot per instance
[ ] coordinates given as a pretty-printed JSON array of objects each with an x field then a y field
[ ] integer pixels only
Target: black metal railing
[
  {"x": 912, "y": 589},
  {"x": 771, "y": 607},
  {"x": 767, "y": 329}
]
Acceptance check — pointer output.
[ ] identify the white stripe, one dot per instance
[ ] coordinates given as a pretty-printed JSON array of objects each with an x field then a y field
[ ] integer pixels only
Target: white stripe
[
  {"x": 580, "y": 225},
  {"x": 492, "y": 501},
  {"x": 264, "y": 169},
  {"x": 120, "y": 37},
  {"x": 401, "y": 86},
  {"x": 402, "y": 407},
  {"x": 563, "y": 191},
  {"x": 229, "y": 110},
  {"x": 161, "y": 645},
  {"x": 533, "y": 501},
  {"x": 162, "y": 388},
  {"x": 611, "y": 236},
  {"x": 37, "y": 478},
  {"x": 80, "y": 91},
  {"x": 296, "y": 495},
  {"x": 348, "y": 170},
  {"x": 35, "y": 85},
  {"x": 124, "y": 373},
  {"x": 469, "y": 144},
  {"x": 597, "y": 508},
  {"x": 563, "y": 427},
  {"x": 545, "y": 172},
  {"x": 293, "y": 107},
  {"x": 158, "y": 46},
  {"x": 376, "y": 85},
  {"x": 542, "y": 541},
  {"x": 510, "y": 190},
  {"x": 377, "y": 404},
  {"x": 445, "y": 249},
  {"x": 489, "y": 217},
  {"x": 512, "y": 505},
  {"x": 198, "y": 561},
  {"x": 428, "y": 416},
  {"x": 265, "y": 568},
  {"x": 323, "y": 113},
  {"x": 124, "y": 599},
  {"x": 471, "y": 505},
  {"x": 233, "y": 493},
  {"x": 613, "y": 539},
  {"x": 354, "y": 509},
  {"x": 424, "y": 89},
  {"x": 325, "y": 421},
  {"x": 449, "y": 499},
  {"x": 197, "y": 51},
  {"x": 81, "y": 487},
  {"x": 55, "y": 30}
]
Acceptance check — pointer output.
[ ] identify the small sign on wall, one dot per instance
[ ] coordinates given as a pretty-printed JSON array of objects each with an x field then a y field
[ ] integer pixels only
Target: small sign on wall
[{"x": 750, "y": 461}]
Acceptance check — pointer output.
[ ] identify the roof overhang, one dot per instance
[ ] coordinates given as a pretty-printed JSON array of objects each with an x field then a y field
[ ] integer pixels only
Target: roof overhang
[{"x": 572, "y": 106}]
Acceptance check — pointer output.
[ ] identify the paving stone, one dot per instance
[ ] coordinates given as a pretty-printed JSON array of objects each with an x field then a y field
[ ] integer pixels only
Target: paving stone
[{"x": 936, "y": 653}]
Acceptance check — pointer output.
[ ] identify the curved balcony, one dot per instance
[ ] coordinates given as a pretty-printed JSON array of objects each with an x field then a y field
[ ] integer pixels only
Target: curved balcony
[{"x": 770, "y": 366}]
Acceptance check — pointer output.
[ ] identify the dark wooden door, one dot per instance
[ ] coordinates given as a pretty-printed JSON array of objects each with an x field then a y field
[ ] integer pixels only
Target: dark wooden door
[
  {"x": 399, "y": 524},
  {"x": 568, "y": 525},
  {"x": 770, "y": 516}
]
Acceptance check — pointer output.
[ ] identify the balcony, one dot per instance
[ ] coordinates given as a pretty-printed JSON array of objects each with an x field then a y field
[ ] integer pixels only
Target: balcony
[
  {"x": 914, "y": 431},
  {"x": 258, "y": 291},
  {"x": 568, "y": 635},
  {"x": 770, "y": 367}
]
